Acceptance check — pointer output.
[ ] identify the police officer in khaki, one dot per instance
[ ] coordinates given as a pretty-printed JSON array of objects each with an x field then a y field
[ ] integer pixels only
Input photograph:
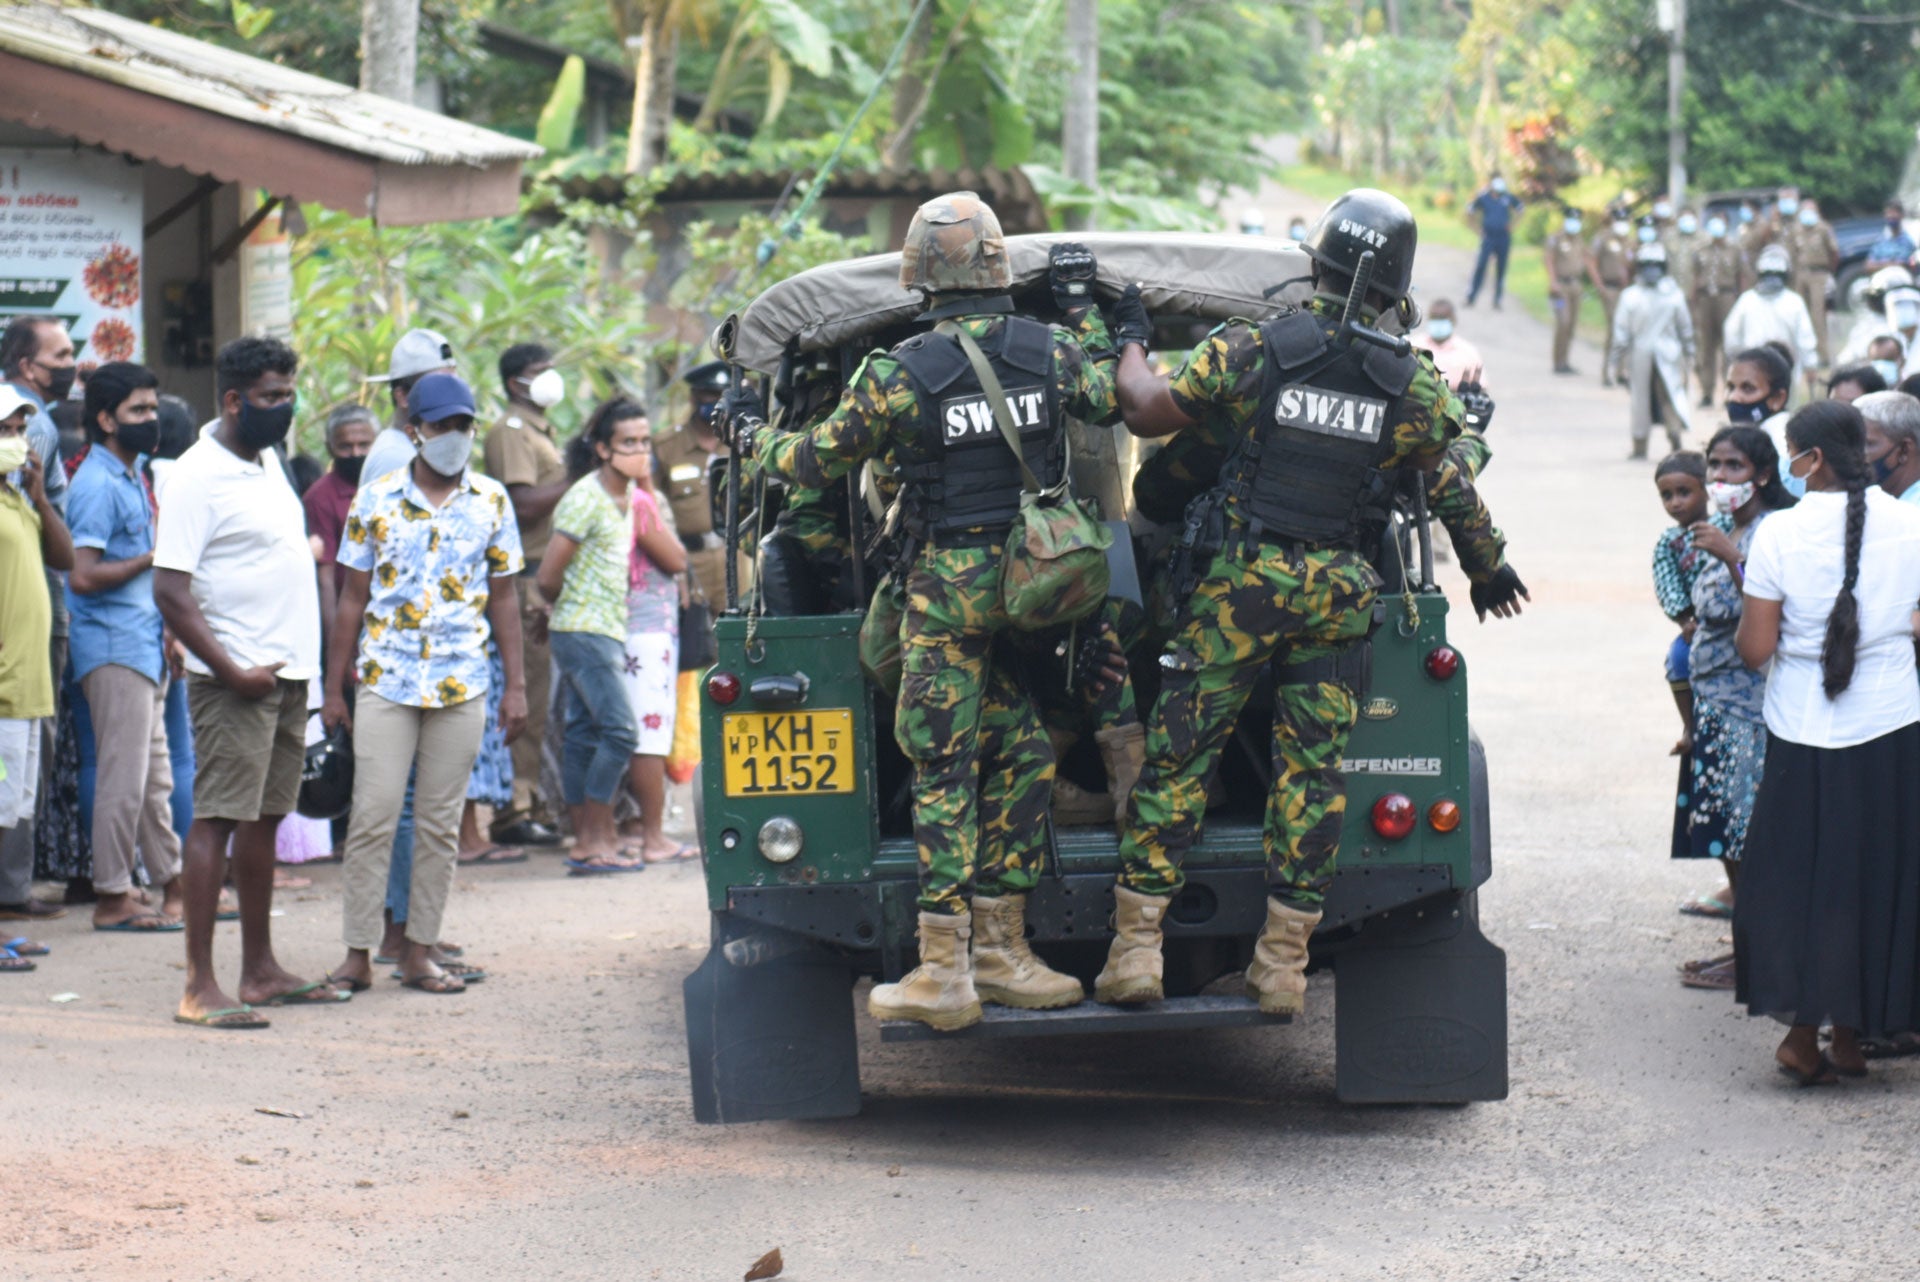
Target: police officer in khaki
[
  {"x": 1682, "y": 239},
  {"x": 1816, "y": 256},
  {"x": 1719, "y": 275},
  {"x": 1566, "y": 280},
  {"x": 684, "y": 461},
  {"x": 522, "y": 454},
  {"x": 1610, "y": 268}
]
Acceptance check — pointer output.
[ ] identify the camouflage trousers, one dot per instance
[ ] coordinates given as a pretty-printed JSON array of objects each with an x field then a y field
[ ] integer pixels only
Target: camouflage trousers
[
  {"x": 1258, "y": 602},
  {"x": 982, "y": 766}
]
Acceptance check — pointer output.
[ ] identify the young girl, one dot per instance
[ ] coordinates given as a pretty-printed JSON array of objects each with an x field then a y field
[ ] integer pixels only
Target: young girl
[
  {"x": 1729, "y": 736},
  {"x": 1759, "y": 381},
  {"x": 584, "y": 573},
  {"x": 652, "y": 668},
  {"x": 1827, "y": 929}
]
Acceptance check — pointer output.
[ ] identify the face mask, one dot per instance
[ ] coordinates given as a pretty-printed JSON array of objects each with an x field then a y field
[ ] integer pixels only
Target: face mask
[
  {"x": 1883, "y": 468},
  {"x": 1905, "y": 315},
  {"x": 1440, "y": 329},
  {"x": 1688, "y": 225},
  {"x": 1788, "y": 204},
  {"x": 1297, "y": 232},
  {"x": 1648, "y": 235},
  {"x": 262, "y": 427},
  {"x": 1746, "y": 411},
  {"x": 1663, "y": 210},
  {"x": 1716, "y": 227},
  {"x": 547, "y": 388},
  {"x": 1809, "y": 218},
  {"x": 1728, "y": 497},
  {"x": 1573, "y": 226},
  {"x": 1499, "y": 185},
  {"x": 1771, "y": 285},
  {"x": 633, "y": 466},
  {"x": 447, "y": 453},
  {"x": 350, "y": 467},
  {"x": 1793, "y": 485},
  {"x": 13, "y": 454},
  {"x": 1746, "y": 215},
  {"x": 1650, "y": 275},
  {"x": 1622, "y": 227},
  {"x": 141, "y": 438},
  {"x": 59, "y": 382},
  {"x": 1889, "y": 370}
]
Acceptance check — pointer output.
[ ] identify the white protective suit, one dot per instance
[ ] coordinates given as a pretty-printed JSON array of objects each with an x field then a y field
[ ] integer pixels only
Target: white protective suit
[
  {"x": 1653, "y": 343},
  {"x": 1759, "y": 318}
]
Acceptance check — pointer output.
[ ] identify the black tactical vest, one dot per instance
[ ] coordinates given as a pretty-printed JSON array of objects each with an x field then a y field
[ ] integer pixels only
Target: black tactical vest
[
  {"x": 1307, "y": 468},
  {"x": 959, "y": 472}
]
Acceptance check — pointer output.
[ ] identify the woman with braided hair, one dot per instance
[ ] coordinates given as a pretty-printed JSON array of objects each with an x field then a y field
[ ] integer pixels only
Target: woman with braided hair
[{"x": 1827, "y": 927}]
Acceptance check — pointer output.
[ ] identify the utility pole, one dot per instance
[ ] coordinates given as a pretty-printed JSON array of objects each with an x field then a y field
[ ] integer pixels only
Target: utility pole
[
  {"x": 1672, "y": 17},
  {"x": 1081, "y": 141},
  {"x": 390, "y": 47}
]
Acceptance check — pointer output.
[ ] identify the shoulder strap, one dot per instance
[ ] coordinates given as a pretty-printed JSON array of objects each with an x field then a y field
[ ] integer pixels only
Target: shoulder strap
[{"x": 996, "y": 400}]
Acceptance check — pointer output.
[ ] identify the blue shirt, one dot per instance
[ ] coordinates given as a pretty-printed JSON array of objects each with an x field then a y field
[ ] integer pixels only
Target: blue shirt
[
  {"x": 425, "y": 640},
  {"x": 1891, "y": 249},
  {"x": 1496, "y": 210},
  {"x": 107, "y": 510}
]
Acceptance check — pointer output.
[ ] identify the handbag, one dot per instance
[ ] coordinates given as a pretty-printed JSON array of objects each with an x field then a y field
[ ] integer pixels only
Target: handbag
[
  {"x": 698, "y": 649},
  {"x": 1054, "y": 569}
]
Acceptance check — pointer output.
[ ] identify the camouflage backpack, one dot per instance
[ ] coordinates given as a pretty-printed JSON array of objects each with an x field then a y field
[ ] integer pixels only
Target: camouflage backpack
[{"x": 1054, "y": 569}]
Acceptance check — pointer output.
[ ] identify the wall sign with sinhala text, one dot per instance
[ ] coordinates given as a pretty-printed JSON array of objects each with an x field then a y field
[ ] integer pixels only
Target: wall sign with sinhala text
[{"x": 71, "y": 247}]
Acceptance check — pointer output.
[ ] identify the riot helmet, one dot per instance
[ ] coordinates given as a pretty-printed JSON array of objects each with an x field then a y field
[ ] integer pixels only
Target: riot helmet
[
  {"x": 1651, "y": 261},
  {"x": 954, "y": 245},
  {"x": 1367, "y": 220},
  {"x": 1884, "y": 281}
]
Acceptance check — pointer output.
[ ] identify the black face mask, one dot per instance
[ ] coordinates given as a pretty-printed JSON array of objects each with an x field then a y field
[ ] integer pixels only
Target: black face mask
[
  {"x": 141, "y": 438},
  {"x": 349, "y": 467},
  {"x": 59, "y": 382},
  {"x": 261, "y": 427},
  {"x": 1747, "y": 411}
]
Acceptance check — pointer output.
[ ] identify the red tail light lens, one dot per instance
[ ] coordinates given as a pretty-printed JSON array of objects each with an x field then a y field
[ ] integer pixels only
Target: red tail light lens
[
  {"x": 1394, "y": 816},
  {"x": 1442, "y": 662},
  {"x": 1443, "y": 816},
  {"x": 723, "y": 687}
]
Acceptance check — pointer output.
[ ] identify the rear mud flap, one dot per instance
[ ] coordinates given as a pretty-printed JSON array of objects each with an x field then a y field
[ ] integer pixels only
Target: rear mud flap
[
  {"x": 1422, "y": 1011},
  {"x": 770, "y": 1030}
]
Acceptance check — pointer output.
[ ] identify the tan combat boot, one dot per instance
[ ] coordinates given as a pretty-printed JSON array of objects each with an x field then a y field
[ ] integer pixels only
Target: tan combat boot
[
  {"x": 1123, "y": 751},
  {"x": 1004, "y": 968},
  {"x": 1277, "y": 976},
  {"x": 1133, "y": 969},
  {"x": 939, "y": 991},
  {"x": 1074, "y": 806}
]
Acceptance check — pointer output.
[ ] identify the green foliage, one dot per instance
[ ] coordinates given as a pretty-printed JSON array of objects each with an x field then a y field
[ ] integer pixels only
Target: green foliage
[{"x": 722, "y": 276}]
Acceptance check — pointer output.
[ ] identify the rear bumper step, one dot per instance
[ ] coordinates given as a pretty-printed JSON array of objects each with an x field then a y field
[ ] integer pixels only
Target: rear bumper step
[{"x": 1174, "y": 1013}]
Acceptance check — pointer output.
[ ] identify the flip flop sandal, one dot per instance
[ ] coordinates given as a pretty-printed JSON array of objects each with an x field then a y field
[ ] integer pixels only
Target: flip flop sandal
[
  {"x": 1823, "y": 1074},
  {"x": 438, "y": 985},
  {"x": 282, "y": 882},
  {"x": 446, "y": 950},
  {"x": 225, "y": 1019},
  {"x": 1890, "y": 1047},
  {"x": 459, "y": 970},
  {"x": 133, "y": 926},
  {"x": 1706, "y": 906},
  {"x": 680, "y": 854},
  {"x": 584, "y": 868},
  {"x": 319, "y": 993},
  {"x": 1700, "y": 964},
  {"x": 12, "y": 961},
  {"x": 1718, "y": 976},
  {"x": 351, "y": 985},
  {"x": 21, "y": 946},
  {"x": 495, "y": 855}
]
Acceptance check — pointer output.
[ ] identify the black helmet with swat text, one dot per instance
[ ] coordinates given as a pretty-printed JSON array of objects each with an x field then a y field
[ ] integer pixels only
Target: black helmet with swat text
[{"x": 1366, "y": 220}]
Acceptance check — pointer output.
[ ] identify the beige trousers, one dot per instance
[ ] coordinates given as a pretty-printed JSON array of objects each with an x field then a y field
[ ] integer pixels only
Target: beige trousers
[
  {"x": 438, "y": 745},
  {"x": 133, "y": 784},
  {"x": 538, "y": 665}
]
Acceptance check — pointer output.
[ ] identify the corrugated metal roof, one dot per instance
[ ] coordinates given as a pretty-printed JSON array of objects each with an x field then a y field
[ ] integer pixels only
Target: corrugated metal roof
[{"x": 147, "y": 59}]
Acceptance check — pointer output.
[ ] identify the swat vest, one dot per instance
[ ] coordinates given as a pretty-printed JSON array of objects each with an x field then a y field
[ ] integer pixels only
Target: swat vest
[
  {"x": 1307, "y": 468},
  {"x": 958, "y": 470}
]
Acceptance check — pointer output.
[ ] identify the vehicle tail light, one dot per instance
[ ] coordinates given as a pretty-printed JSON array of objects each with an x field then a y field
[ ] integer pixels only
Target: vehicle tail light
[
  {"x": 1443, "y": 816},
  {"x": 1442, "y": 662},
  {"x": 781, "y": 839},
  {"x": 1394, "y": 816},
  {"x": 723, "y": 687}
]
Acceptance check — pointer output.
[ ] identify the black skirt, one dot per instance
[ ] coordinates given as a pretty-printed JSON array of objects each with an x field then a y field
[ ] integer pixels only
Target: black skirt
[{"x": 1826, "y": 926}]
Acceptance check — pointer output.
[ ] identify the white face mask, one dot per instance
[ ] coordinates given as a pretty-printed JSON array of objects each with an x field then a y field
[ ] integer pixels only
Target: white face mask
[
  {"x": 547, "y": 388},
  {"x": 1729, "y": 497},
  {"x": 13, "y": 455}
]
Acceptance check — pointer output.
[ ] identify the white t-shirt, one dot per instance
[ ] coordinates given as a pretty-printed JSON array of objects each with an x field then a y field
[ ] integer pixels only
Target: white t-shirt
[
  {"x": 1797, "y": 558},
  {"x": 239, "y": 530}
]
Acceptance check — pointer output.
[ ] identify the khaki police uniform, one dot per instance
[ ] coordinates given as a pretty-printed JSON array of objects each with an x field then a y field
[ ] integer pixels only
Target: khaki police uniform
[
  {"x": 520, "y": 449},
  {"x": 686, "y": 472},
  {"x": 1719, "y": 275},
  {"x": 1612, "y": 264},
  {"x": 1816, "y": 256},
  {"x": 1566, "y": 282}
]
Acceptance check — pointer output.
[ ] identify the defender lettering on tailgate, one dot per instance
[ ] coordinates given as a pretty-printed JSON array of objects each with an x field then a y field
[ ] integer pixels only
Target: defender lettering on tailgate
[
  {"x": 1428, "y": 767},
  {"x": 1342, "y": 414},
  {"x": 969, "y": 419}
]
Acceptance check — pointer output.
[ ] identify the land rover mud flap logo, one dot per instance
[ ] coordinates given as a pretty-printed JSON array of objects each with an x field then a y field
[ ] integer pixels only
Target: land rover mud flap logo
[
  {"x": 777, "y": 1070},
  {"x": 1380, "y": 708},
  {"x": 1423, "y": 1050}
]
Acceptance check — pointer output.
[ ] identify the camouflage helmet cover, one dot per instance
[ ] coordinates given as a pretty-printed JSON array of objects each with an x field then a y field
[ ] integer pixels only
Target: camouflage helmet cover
[{"x": 954, "y": 243}]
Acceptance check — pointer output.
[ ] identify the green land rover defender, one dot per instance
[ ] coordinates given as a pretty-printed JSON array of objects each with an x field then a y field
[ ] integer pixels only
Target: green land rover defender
[{"x": 804, "y": 813}]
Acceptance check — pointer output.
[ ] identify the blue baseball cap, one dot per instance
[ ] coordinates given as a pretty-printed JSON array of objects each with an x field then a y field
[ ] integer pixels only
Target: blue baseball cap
[{"x": 439, "y": 396}]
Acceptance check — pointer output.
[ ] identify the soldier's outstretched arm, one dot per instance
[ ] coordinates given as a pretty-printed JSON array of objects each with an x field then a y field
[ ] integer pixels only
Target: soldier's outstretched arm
[
  {"x": 1146, "y": 398},
  {"x": 1456, "y": 504},
  {"x": 856, "y": 430}
]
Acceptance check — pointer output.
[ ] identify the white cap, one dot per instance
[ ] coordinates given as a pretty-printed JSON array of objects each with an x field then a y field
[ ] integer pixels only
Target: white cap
[
  {"x": 11, "y": 401},
  {"x": 419, "y": 351}
]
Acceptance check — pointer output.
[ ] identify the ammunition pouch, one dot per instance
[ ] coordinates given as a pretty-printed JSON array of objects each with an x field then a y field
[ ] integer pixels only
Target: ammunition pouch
[{"x": 1350, "y": 666}]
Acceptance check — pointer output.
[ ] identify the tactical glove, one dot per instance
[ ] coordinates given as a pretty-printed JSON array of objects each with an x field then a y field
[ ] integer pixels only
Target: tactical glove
[
  {"x": 1070, "y": 271},
  {"x": 1478, "y": 404},
  {"x": 1128, "y": 321},
  {"x": 1501, "y": 595},
  {"x": 740, "y": 411}
]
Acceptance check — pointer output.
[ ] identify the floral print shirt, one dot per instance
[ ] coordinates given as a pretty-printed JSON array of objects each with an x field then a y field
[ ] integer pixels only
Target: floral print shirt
[{"x": 425, "y": 640}]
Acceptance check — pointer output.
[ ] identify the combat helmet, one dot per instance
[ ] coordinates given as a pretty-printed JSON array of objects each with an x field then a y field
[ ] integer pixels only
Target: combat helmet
[
  {"x": 954, "y": 244},
  {"x": 1651, "y": 256},
  {"x": 1772, "y": 261},
  {"x": 1366, "y": 219}
]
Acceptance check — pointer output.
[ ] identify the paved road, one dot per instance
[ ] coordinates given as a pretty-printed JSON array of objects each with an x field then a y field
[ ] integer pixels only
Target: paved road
[{"x": 538, "y": 1127}]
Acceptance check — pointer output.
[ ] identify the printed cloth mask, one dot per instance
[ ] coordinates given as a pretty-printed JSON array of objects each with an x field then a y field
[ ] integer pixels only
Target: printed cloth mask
[
  {"x": 448, "y": 453},
  {"x": 547, "y": 388},
  {"x": 1726, "y": 496},
  {"x": 13, "y": 455},
  {"x": 263, "y": 426},
  {"x": 1441, "y": 329},
  {"x": 1747, "y": 411}
]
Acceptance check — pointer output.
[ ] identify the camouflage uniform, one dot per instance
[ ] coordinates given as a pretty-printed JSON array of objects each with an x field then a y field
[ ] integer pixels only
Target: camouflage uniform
[
  {"x": 956, "y": 705},
  {"x": 1258, "y": 600}
]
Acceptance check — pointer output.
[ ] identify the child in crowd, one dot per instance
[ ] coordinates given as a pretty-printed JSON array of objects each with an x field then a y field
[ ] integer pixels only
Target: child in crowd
[{"x": 1682, "y": 481}]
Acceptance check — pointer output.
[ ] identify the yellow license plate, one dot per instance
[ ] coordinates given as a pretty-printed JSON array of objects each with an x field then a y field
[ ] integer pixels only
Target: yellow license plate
[{"x": 785, "y": 754}]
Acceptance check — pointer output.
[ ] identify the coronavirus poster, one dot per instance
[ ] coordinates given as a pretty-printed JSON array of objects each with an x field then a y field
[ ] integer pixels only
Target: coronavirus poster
[{"x": 70, "y": 243}]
